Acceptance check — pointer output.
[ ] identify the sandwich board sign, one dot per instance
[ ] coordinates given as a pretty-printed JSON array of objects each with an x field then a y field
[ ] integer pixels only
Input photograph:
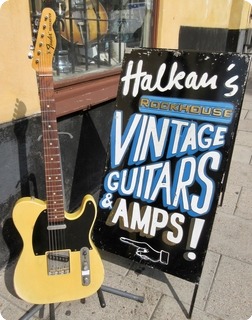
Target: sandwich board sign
[{"x": 171, "y": 141}]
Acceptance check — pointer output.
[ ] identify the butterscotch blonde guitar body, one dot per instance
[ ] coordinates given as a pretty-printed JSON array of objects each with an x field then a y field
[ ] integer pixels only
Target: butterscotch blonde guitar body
[{"x": 32, "y": 281}]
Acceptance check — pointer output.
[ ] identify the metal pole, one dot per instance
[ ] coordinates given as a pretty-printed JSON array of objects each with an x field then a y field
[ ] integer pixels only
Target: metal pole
[
  {"x": 193, "y": 300},
  {"x": 32, "y": 311},
  {"x": 123, "y": 294}
]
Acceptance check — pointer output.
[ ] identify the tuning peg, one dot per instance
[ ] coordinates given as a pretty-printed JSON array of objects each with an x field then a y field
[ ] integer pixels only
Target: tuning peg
[{"x": 30, "y": 54}]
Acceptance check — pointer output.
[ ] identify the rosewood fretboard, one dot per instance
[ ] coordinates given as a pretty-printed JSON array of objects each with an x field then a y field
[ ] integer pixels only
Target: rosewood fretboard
[{"x": 53, "y": 172}]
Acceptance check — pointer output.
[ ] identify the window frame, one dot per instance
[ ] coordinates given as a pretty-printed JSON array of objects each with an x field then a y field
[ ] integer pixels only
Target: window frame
[
  {"x": 72, "y": 95},
  {"x": 89, "y": 90}
]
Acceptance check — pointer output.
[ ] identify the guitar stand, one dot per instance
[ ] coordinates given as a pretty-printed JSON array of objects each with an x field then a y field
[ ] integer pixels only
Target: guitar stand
[{"x": 41, "y": 307}]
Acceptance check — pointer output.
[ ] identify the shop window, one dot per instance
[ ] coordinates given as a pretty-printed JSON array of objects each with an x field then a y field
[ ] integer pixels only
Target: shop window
[{"x": 92, "y": 35}]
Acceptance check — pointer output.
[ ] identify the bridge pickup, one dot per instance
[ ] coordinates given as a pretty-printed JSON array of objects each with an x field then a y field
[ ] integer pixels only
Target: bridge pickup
[
  {"x": 58, "y": 262},
  {"x": 85, "y": 266}
]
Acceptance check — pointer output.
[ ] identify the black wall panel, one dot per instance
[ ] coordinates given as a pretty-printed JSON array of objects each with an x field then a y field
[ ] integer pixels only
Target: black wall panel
[{"x": 211, "y": 39}]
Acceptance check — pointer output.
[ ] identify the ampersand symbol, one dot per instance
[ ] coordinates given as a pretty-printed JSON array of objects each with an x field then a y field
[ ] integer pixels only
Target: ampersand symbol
[{"x": 106, "y": 201}]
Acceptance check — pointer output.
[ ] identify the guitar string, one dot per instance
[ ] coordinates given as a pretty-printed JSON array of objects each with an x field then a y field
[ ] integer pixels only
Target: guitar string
[
  {"x": 51, "y": 236},
  {"x": 56, "y": 237},
  {"x": 41, "y": 85},
  {"x": 43, "y": 97}
]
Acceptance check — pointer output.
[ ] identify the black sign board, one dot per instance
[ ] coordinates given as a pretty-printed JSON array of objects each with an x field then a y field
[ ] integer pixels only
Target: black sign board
[{"x": 171, "y": 141}]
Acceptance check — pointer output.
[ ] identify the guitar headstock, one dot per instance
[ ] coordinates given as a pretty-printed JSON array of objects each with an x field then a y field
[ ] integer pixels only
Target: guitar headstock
[{"x": 45, "y": 43}]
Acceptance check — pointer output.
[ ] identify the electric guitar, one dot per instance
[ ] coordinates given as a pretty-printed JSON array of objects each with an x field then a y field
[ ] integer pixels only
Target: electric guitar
[{"x": 59, "y": 261}]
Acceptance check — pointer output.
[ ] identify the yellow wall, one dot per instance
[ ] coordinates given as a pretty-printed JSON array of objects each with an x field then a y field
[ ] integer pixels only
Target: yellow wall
[
  {"x": 18, "y": 86},
  {"x": 245, "y": 16},
  {"x": 229, "y": 14}
]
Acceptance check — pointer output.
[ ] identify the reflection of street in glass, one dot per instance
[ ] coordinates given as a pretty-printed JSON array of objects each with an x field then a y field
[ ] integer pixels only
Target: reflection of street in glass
[{"x": 146, "y": 252}]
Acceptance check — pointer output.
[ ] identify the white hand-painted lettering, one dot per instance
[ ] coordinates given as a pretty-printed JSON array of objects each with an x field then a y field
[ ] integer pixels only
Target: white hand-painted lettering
[
  {"x": 145, "y": 135},
  {"x": 147, "y": 220},
  {"x": 141, "y": 80}
]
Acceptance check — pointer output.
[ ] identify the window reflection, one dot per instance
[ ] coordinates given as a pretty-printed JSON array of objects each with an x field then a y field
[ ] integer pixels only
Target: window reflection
[{"x": 92, "y": 35}]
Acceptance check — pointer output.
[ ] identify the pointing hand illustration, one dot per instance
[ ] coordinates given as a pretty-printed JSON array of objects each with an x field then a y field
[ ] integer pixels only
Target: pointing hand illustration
[{"x": 146, "y": 252}]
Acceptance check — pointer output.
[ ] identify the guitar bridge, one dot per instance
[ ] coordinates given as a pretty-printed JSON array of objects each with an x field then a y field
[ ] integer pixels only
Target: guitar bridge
[
  {"x": 85, "y": 266},
  {"x": 58, "y": 262}
]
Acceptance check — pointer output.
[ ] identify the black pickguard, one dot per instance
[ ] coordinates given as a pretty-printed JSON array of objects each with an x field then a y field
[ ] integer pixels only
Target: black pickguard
[{"x": 76, "y": 234}]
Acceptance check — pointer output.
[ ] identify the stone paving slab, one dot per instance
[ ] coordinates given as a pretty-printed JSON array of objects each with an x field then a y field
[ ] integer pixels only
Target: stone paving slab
[
  {"x": 167, "y": 310},
  {"x": 11, "y": 307},
  {"x": 245, "y": 125},
  {"x": 231, "y": 236},
  {"x": 10, "y": 310},
  {"x": 242, "y": 154},
  {"x": 116, "y": 307},
  {"x": 244, "y": 138},
  {"x": 249, "y": 115},
  {"x": 244, "y": 204},
  {"x": 230, "y": 199},
  {"x": 179, "y": 289},
  {"x": 244, "y": 113},
  {"x": 231, "y": 293},
  {"x": 248, "y": 97},
  {"x": 240, "y": 175}
]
